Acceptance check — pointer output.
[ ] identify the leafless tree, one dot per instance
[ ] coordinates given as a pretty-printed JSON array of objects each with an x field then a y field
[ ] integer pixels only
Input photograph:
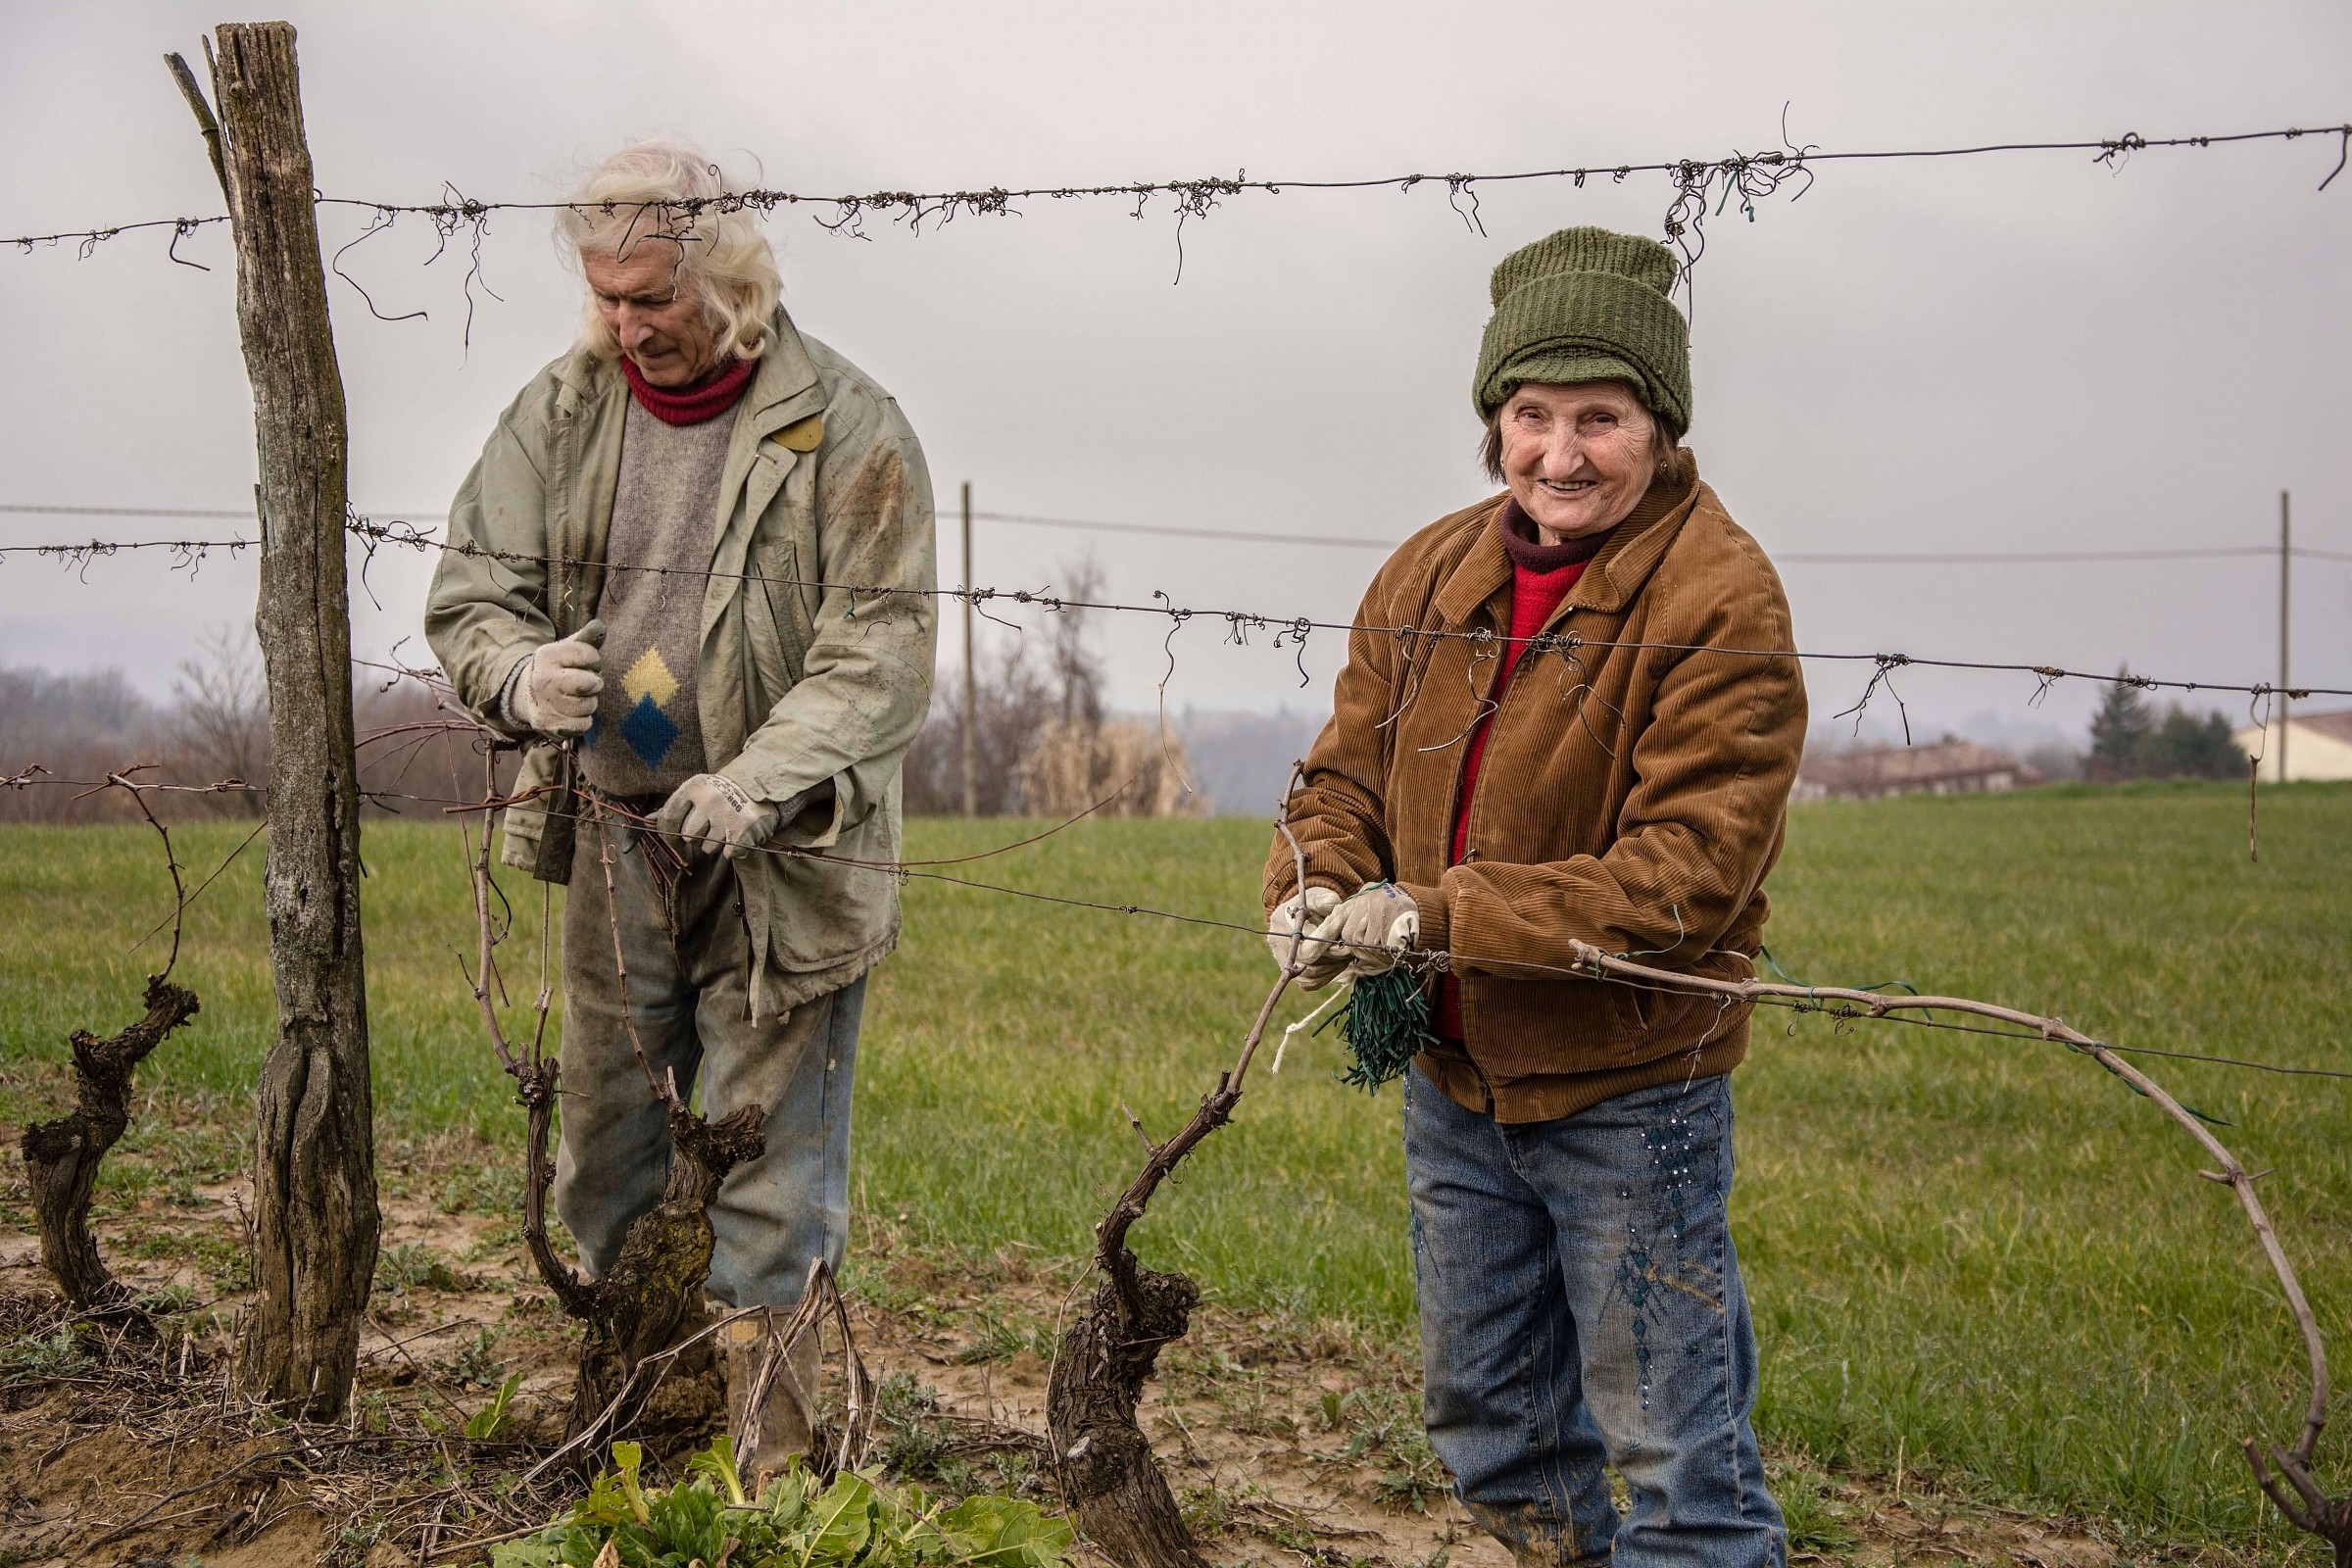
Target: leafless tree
[
  {"x": 221, "y": 729},
  {"x": 1076, "y": 673},
  {"x": 71, "y": 725}
]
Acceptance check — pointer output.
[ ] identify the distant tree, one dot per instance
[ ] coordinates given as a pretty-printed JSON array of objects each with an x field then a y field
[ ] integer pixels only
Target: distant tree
[
  {"x": 2185, "y": 744},
  {"x": 2058, "y": 762},
  {"x": 1015, "y": 702},
  {"x": 74, "y": 725},
  {"x": 1022, "y": 693},
  {"x": 2119, "y": 730},
  {"x": 1075, "y": 669},
  {"x": 223, "y": 725}
]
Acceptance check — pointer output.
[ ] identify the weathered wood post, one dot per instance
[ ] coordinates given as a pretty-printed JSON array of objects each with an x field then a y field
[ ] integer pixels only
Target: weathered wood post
[{"x": 314, "y": 1161}]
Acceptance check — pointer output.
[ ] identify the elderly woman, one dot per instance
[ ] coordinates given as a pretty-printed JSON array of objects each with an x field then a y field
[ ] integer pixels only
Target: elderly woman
[{"x": 1556, "y": 724}]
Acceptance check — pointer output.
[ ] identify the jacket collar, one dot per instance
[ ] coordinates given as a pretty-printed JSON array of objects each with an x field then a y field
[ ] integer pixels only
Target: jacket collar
[
  {"x": 1483, "y": 572},
  {"x": 785, "y": 378},
  {"x": 1634, "y": 548}
]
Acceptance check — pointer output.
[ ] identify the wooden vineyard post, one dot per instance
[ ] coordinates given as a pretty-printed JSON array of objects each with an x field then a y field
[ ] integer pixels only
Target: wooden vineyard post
[{"x": 314, "y": 1208}]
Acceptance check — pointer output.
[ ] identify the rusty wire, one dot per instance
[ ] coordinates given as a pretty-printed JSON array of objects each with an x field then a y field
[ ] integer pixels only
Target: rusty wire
[
  {"x": 1260, "y": 536},
  {"x": 1293, "y": 629},
  {"x": 1702, "y": 187}
]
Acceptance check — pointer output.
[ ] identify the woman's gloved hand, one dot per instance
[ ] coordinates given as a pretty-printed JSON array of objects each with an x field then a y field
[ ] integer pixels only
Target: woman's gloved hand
[
  {"x": 554, "y": 691},
  {"x": 1290, "y": 937},
  {"x": 1370, "y": 929},
  {"x": 712, "y": 811}
]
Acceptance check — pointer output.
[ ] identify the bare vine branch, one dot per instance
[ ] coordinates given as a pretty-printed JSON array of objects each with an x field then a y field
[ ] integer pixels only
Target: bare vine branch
[{"x": 2331, "y": 1520}]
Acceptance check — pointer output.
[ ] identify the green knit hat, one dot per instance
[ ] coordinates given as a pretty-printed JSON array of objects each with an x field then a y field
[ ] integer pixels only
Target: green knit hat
[{"x": 1586, "y": 304}]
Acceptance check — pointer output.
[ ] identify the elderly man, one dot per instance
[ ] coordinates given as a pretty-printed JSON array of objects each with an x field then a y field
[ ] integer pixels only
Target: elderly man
[{"x": 692, "y": 522}]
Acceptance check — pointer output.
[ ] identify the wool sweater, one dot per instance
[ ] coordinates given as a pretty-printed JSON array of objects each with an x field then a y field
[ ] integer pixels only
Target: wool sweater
[{"x": 648, "y": 736}]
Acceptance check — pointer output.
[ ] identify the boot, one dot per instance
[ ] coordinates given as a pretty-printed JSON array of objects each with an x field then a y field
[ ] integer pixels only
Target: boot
[{"x": 785, "y": 1423}]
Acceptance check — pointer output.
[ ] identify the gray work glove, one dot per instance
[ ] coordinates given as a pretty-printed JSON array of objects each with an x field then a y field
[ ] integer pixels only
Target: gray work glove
[
  {"x": 554, "y": 691},
  {"x": 1290, "y": 937},
  {"x": 1370, "y": 929},
  {"x": 713, "y": 813}
]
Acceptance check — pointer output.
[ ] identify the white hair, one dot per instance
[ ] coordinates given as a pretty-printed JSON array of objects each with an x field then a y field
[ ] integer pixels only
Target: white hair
[{"x": 668, "y": 191}]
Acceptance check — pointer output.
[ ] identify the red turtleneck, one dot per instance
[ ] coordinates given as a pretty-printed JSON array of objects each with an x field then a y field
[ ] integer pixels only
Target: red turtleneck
[
  {"x": 714, "y": 395},
  {"x": 1541, "y": 576}
]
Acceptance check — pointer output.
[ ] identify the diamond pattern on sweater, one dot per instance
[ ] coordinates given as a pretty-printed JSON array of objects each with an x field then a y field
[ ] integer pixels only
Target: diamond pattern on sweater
[
  {"x": 649, "y": 731},
  {"x": 664, "y": 503},
  {"x": 650, "y": 677}
]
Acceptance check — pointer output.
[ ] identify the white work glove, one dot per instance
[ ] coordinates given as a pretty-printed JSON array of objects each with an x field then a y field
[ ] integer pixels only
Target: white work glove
[
  {"x": 1290, "y": 937},
  {"x": 1370, "y": 929},
  {"x": 554, "y": 691},
  {"x": 713, "y": 813}
]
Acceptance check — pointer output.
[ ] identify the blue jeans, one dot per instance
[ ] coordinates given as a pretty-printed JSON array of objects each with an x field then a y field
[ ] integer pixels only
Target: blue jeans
[
  {"x": 1581, "y": 1307},
  {"x": 689, "y": 977}
]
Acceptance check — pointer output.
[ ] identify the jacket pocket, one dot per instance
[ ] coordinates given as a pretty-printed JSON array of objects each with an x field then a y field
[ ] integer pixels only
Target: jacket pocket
[
  {"x": 1636, "y": 1011},
  {"x": 824, "y": 910},
  {"x": 524, "y": 827},
  {"x": 777, "y": 647}
]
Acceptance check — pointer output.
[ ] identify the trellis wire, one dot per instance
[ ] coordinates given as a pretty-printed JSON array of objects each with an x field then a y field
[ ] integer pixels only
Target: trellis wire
[
  {"x": 923, "y": 870},
  {"x": 1239, "y": 623},
  {"x": 1702, "y": 187}
]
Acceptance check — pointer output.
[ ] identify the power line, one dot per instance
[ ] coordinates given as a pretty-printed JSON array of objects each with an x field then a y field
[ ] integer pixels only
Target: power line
[
  {"x": 1182, "y": 531},
  {"x": 240, "y": 514},
  {"x": 2018, "y": 558}
]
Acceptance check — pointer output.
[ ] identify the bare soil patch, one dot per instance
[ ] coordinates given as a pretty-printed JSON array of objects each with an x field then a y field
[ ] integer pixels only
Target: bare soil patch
[{"x": 1287, "y": 1442}]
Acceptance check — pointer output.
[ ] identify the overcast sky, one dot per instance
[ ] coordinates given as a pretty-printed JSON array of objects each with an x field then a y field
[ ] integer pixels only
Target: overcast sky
[{"x": 2021, "y": 352}]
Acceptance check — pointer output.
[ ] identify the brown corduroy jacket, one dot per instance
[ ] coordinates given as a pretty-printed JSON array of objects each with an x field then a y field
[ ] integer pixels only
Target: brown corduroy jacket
[{"x": 1632, "y": 796}]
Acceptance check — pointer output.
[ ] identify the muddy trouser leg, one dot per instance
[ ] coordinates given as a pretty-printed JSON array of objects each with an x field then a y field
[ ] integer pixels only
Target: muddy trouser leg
[
  {"x": 778, "y": 1213},
  {"x": 1502, "y": 1394},
  {"x": 775, "y": 1214},
  {"x": 1637, "y": 1189},
  {"x": 614, "y": 1160}
]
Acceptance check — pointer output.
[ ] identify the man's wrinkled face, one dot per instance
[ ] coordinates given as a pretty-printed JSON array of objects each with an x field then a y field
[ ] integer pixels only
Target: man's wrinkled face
[
  {"x": 1577, "y": 457},
  {"x": 651, "y": 304}
]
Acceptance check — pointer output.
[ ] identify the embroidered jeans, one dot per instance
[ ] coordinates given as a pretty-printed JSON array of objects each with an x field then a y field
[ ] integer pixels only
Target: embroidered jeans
[
  {"x": 689, "y": 967},
  {"x": 1581, "y": 1307}
]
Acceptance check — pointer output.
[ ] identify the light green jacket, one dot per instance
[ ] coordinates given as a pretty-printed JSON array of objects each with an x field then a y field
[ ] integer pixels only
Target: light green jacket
[{"x": 819, "y": 626}]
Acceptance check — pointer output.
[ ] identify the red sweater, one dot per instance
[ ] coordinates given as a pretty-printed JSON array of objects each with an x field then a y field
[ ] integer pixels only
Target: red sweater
[{"x": 1541, "y": 576}]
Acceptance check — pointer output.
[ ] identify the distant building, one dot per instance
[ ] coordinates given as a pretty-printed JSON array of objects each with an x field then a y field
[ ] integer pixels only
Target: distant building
[
  {"x": 2318, "y": 745},
  {"x": 1949, "y": 766}
]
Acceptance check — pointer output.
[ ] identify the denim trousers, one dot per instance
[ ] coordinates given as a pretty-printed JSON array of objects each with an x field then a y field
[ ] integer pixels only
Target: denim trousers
[
  {"x": 1580, "y": 1309},
  {"x": 688, "y": 952}
]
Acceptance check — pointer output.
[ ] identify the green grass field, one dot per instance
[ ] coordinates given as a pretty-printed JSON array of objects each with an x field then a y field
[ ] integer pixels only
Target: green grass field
[{"x": 1981, "y": 1258}]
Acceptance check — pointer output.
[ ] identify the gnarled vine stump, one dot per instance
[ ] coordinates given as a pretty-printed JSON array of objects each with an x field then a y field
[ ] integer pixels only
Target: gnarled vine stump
[
  {"x": 1102, "y": 1458},
  {"x": 1109, "y": 1475},
  {"x": 650, "y": 1296},
  {"x": 62, "y": 1157}
]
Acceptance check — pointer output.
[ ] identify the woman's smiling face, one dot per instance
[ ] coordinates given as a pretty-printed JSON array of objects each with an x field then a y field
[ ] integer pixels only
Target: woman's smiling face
[{"x": 1577, "y": 457}]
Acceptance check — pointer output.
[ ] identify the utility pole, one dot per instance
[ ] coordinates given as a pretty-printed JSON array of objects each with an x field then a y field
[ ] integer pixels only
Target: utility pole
[
  {"x": 2286, "y": 557},
  {"x": 314, "y": 1178},
  {"x": 971, "y": 683}
]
